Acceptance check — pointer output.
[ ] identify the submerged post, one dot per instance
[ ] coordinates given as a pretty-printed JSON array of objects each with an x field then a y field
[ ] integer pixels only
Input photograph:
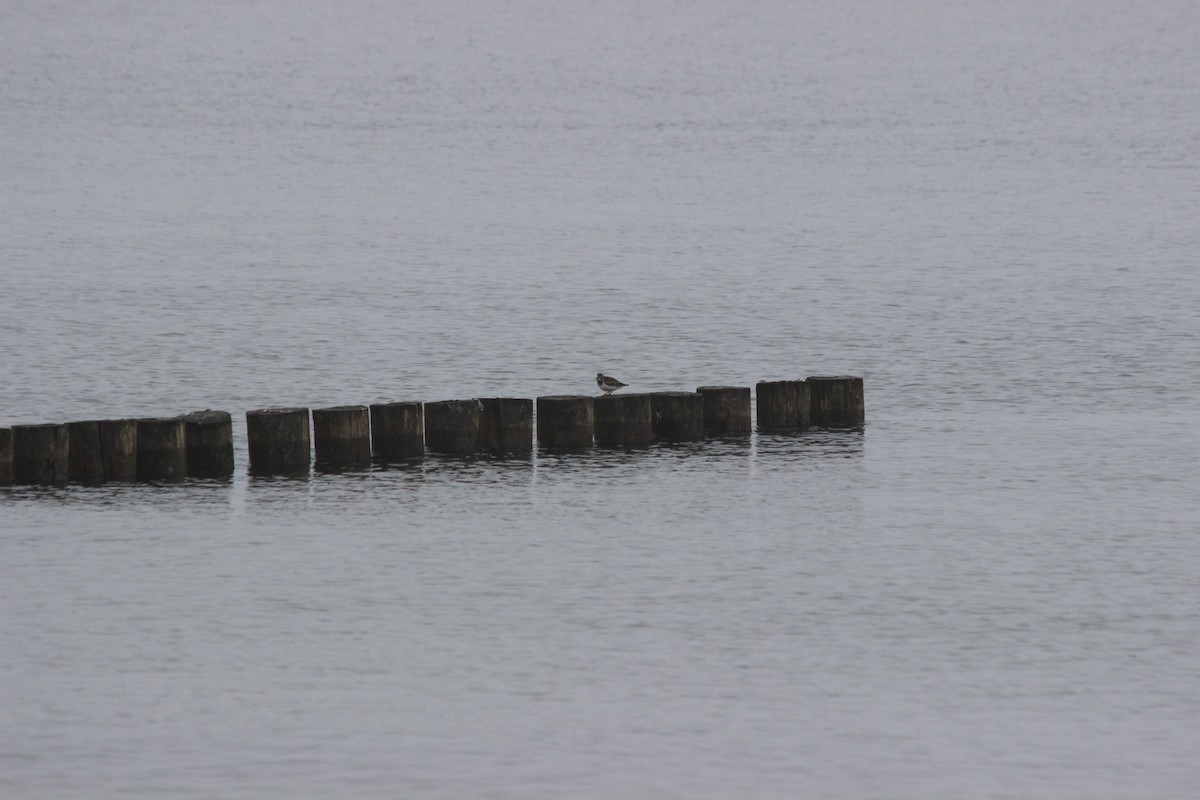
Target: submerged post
[
  {"x": 726, "y": 409},
  {"x": 41, "y": 453},
  {"x": 6, "y": 456},
  {"x": 342, "y": 435},
  {"x": 118, "y": 449},
  {"x": 452, "y": 427},
  {"x": 837, "y": 400},
  {"x": 677, "y": 416},
  {"x": 209, "y": 436},
  {"x": 397, "y": 431},
  {"x": 782, "y": 405},
  {"x": 565, "y": 421},
  {"x": 87, "y": 454},
  {"x": 506, "y": 424},
  {"x": 279, "y": 441},
  {"x": 623, "y": 420},
  {"x": 161, "y": 449}
]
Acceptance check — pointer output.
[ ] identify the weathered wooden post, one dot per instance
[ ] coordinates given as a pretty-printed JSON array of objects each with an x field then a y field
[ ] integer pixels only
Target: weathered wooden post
[
  {"x": 452, "y": 427},
  {"x": 565, "y": 421},
  {"x": 87, "y": 452},
  {"x": 623, "y": 420},
  {"x": 516, "y": 424},
  {"x": 342, "y": 435},
  {"x": 726, "y": 409},
  {"x": 836, "y": 401},
  {"x": 6, "y": 456},
  {"x": 677, "y": 416},
  {"x": 782, "y": 405},
  {"x": 209, "y": 436},
  {"x": 397, "y": 431},
  {"x": 279, "y": 441},
  {"x": 118, "y": 449},
  {"x": 161, "y": 449},
  {"x": 41, "y": 453},
  {"x": 491, "y": 435},
  {"x": 506, "y": 423}
]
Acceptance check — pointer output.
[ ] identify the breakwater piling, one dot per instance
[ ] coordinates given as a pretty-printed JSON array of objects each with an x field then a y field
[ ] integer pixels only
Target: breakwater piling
[
  {"x": 782, "y": 405},
  {"x": 397, "y": 432},
  {"x": 565, "y": 422},
  {"x": 6, "y": 456},
  {"x": 41, "y": 453},
  {"x": 623, "y": 420},
  {"x": 505, "y": 424},
  {"x": 280, "y": 441},
  {"x": 209, "y": 440},
  {"x": 726, "y": 409},
  {"x": 836, "y": 401},
  {"x": 677, "y": 416},
  {"x": 86, "y": 454},
  {"x": 161, "y": 450},
  {"x": 342, "y": 436},
  {"x": 118, "y": 446},
  {"x": 452, "y": 427}
]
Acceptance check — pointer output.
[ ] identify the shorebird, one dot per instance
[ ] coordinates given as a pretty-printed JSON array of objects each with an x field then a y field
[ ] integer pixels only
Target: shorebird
[{"x": 608, "y": 384}]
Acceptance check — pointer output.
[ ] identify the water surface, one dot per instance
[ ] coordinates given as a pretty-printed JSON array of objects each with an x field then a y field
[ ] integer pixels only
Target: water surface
[{"x": 987, "y": 211}]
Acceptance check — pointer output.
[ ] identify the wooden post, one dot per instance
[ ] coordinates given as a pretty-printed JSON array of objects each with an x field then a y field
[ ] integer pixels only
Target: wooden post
[
  {"x": 342, "y": 435},
  {"x": 161, "y": 449},
  {"x": 118, "y": 448},
  {"x": 397, "y": 431},
  {"x": 279, "y": 441},
  {"x": 491, "y": 434},
  {"x": 726, "y": 409},
  {"x": 6, "y": 456},
  {"x": 565, "y": 421},
  {"x": 623, "y": 420},
  {"x": 41, "y": 453},
  {"x": 506, "y": 424},
  {"x": 87, "y": 452},
  {"x": 677, "y": 416},
  {"x": 837, "y": 401},
  {"x": 452, "y": 427},
  {"x": 516, "y": 424},
  {"x": 209, "y": 436},
  {"x": 782, "y": 405}
]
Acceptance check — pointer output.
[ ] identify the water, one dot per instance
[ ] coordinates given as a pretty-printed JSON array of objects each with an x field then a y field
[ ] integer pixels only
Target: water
[{"x": 986, "y": 210}]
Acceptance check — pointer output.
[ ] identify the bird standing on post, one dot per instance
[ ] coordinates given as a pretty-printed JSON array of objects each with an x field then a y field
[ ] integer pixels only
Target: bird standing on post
[{"x": 608, "y": 384}]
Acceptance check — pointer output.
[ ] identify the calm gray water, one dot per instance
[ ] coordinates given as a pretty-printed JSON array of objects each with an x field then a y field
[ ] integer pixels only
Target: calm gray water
[{"x": 987, "y": 210}]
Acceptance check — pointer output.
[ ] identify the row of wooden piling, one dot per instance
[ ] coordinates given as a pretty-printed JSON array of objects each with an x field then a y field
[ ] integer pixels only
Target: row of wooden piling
[
  {"x": 169, "y": 449},
  {"x": 283, "y": 440}
]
